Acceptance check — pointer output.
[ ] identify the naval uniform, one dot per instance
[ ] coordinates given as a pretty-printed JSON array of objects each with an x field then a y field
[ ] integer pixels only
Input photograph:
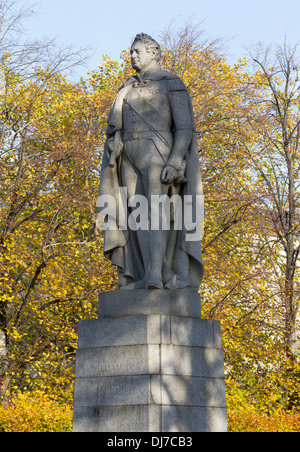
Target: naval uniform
[
  {"x": 149, "y": 113},
  {"x": 153, "y": 110}
]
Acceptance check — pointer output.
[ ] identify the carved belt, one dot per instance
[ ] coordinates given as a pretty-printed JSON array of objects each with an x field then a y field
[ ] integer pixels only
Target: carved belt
[{"x": 140, "y": 135}]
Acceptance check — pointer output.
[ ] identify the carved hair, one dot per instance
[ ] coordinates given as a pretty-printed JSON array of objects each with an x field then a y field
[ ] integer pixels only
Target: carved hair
[{"x": 150, "y": 44}]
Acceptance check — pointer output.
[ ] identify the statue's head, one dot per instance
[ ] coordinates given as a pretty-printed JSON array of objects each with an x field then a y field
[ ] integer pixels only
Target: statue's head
[{"x": 144, "y": 51}]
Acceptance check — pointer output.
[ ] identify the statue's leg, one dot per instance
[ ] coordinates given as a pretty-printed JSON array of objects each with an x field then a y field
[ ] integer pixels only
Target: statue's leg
[
  {"x": 141, "y": 170},
  {"x": 138, "y": 248},
  {"x": 158, "y": 237}
]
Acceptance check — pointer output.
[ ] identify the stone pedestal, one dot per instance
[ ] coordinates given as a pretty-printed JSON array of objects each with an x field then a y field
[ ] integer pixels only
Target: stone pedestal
[{"x": 149, "y": 364}]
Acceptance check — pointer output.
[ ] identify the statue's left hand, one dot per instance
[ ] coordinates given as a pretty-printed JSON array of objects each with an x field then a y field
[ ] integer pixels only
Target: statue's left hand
[{"x": 169, "y": 174}]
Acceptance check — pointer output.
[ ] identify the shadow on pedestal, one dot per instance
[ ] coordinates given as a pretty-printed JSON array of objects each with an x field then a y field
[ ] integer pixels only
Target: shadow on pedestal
[{"x": 150, "y": 364}]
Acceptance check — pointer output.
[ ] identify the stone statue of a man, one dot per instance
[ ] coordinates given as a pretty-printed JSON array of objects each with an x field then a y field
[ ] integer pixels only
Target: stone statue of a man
[{"x": 151, "y": 150}]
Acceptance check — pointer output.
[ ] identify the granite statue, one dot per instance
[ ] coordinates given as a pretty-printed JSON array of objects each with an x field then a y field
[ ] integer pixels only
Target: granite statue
[
  {"x": 151, "y": 150},
  {"x": 150, "y": 363}
]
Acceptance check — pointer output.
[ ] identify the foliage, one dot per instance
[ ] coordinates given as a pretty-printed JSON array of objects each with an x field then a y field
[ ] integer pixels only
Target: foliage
[
  {"x": 248, "y": 130},
  {"x": 51, "y": 261},
  {"x": 35, "y": 412},
  {"x": 50, "y": 254},
  {"x": 251, "y": 422},
  {"x": 51, "y": 268}
]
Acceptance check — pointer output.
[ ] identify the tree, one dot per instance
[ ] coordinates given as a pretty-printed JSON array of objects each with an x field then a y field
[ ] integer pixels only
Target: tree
[
  {"x": 275, "y": 160},
  {"x": 51, "y": 261},
  {"x": 248, "y": 129},
  {"x": 44, "y": 174}
]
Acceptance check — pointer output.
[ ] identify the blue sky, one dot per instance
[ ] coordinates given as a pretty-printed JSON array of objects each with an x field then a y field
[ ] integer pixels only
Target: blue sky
[{"x": 109, "y": 26}]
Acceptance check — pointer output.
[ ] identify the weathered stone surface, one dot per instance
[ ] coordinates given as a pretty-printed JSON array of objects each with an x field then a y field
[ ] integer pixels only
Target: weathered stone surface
[
  {"x": 139, "y": 418},
  {"x": 184, "y": 302},
  {"x": 109, "y": 391},
  {"x": 162, "y": 373},
  {"x": 151, "y": 147},
  {"x": 188, "y": 391},
  {"x": 122, "y": 360},
  {"x": 150, "y": 360},
  {"x": 129, "y": 330},
  {"x": 165, "y": 371},
  {"x": 196, "y": 332},
  {"x": 192, "y": 361},
  {"x": 144, "y": 418},
  {"x": 150, "y": 363},
  {"x": 150, "y": 329},
  {"x": 193, "y": 419},
  {"x": 151, "y": 390}
]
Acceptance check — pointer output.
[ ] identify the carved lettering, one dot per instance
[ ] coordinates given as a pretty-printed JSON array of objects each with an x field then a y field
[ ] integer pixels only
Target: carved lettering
[{"x": 115, "y": 368}]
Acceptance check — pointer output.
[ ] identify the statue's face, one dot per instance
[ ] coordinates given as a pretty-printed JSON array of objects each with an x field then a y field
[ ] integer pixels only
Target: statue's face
[{"x": 140, "y": 58}]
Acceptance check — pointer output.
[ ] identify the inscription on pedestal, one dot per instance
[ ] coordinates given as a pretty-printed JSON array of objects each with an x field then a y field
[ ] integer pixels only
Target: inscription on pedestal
[
  {"x": 123, "y": 360},
  {"x": 162, "y": 373},
  {"x": 132, "y": 390}
]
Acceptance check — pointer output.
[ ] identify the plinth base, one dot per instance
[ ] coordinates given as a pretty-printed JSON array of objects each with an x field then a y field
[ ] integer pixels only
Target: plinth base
[{"x": 149, "y": 372}]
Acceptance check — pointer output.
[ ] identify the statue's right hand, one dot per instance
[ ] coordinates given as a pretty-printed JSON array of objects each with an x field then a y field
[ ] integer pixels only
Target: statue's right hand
[
  {"x": 169, "y": 174},
  {"x": 111, "y": 146}
]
